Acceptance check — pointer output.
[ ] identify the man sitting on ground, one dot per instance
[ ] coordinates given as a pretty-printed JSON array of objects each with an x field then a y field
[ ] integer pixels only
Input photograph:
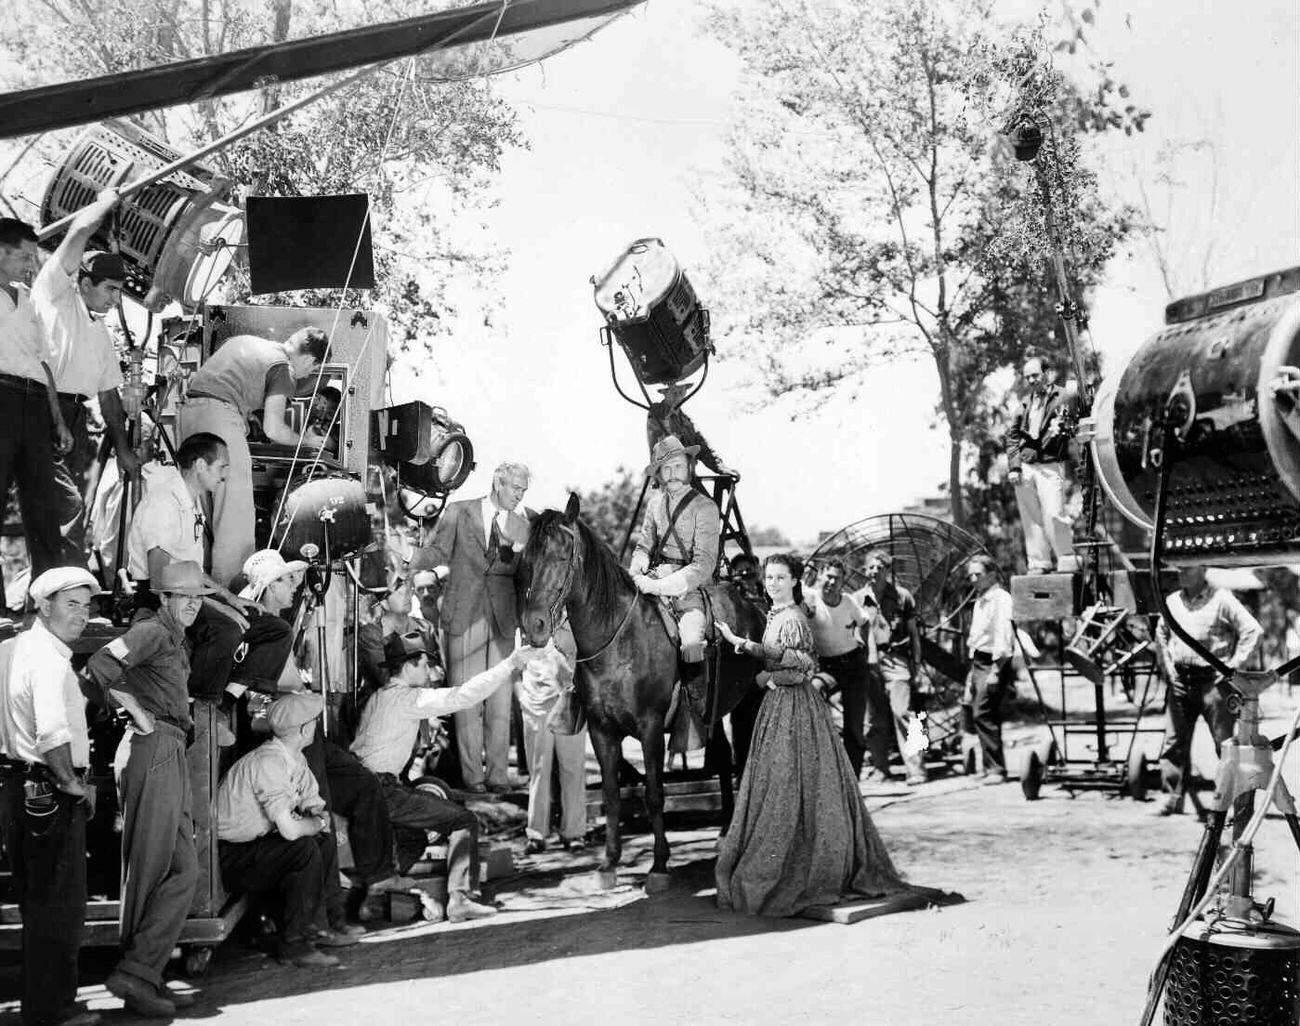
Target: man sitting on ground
[
  {"x": 389, "y": 726},
  {"x": 273, "y": 831}
]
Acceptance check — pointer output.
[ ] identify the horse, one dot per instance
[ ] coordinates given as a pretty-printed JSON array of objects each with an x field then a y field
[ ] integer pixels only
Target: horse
[{"x": 626, "y": 664}]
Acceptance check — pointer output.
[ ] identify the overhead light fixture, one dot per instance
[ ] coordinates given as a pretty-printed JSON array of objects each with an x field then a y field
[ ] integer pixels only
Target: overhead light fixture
[
  {"x": 176, "y": 236},
  {"x": 650, "y": 307}
]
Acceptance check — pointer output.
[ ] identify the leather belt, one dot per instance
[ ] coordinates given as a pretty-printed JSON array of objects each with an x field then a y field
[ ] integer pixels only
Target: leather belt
[{"x": 18, "y": 381}]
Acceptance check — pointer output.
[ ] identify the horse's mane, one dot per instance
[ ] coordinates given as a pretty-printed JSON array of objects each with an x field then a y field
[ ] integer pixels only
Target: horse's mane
[{"x": 603, "y": 575}]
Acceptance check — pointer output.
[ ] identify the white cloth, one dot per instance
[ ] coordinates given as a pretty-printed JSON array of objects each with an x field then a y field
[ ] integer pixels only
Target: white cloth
[
  {"x": 166, "y": 519},
  {"x": 835, "y": 628},
  {"x": 391, "y": 719},
  {"x": 990, "y": 624},
  {"x": 41, "y": 706},
  {"x": 82, "y": 355},
  {"x": 539, "y": 686},
  {"x": 1049, "y": 533},
  {"x": 22, "y": 344}
]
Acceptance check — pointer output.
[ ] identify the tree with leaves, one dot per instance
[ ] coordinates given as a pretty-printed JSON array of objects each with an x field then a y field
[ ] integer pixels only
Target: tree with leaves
[
  {"x": 873, "y": 208},
  {"x": 609, "y": 508},
  {"x": 427, "y": 149}
]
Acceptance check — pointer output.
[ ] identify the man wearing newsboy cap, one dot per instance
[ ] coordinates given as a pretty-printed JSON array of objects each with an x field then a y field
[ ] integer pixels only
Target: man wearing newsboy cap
[
  {"x": 274, "y": 831},
  {"x": 71, "y": 294},
  {"x": 145, "y": 672},
  {"x": 44, "y": 800}
]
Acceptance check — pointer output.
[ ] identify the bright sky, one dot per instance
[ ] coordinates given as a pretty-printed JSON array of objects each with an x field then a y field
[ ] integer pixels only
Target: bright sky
[{"x": 625, "y": 125}]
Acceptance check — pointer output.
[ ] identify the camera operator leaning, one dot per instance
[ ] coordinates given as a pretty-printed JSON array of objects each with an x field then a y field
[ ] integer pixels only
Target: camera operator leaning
[{"x": 245, "y": 375}]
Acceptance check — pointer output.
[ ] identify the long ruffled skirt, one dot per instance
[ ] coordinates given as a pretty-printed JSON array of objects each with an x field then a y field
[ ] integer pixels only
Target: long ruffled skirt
[{"x": 800, "y": 836}]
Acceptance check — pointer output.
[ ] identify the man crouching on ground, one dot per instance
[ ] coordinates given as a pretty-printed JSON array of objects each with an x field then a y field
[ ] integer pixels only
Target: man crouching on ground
[{"x": 272, "y": 830}]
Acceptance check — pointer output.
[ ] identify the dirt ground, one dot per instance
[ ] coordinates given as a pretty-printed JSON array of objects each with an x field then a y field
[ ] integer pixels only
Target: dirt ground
[{"x": 1067, "y": 901}]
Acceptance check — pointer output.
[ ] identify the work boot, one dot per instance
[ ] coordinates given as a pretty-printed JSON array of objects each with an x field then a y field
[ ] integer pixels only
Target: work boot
[
  {"x": 305, "y": 956},
  {"x": 140, "y": 997}
]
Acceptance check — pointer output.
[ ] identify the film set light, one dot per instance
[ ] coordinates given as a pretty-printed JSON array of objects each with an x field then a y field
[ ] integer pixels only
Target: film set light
[
  {"x": 176, "y": 236},
  {"x": 652, "y": 311},
  {"x": 432, "y": 453}
]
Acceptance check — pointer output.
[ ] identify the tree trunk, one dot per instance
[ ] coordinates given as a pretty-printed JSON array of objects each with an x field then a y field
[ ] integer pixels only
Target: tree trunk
[{"x": 956, "y": 501}]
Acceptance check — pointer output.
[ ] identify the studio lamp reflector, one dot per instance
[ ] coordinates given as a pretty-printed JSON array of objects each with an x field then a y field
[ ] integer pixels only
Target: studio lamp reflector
[
  {"x": 432, "y": 453},
  {"x": 175, "y": 236}
]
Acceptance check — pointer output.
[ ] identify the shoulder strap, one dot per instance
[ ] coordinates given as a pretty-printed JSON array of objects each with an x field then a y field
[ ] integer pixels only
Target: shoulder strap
[{"x": 678, "y": 510}]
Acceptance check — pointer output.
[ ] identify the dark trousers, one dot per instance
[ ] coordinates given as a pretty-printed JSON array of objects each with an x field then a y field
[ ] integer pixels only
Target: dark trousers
[
  {"x": 70, "y": 471},
  {"x": 292, "y": 871},
  {"x": 850, "y": 673},
  {"x": 420, "y": 810},
  {"x": 1194, "y": 692},
  {"x": 990, "y": 688},
  {"x": 159, "y": 865},
  {"x": 358, "y": 795},
  {"x": 47, "y": 857},
  {"x": 26, "y": 456},
  {"x": 321, "y": 754}
]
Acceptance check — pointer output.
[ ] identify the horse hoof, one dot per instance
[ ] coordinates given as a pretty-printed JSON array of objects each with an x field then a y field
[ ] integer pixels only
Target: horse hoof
[
  {"x": 607, "y": 879},
  {"x": 656, "y": 883}
]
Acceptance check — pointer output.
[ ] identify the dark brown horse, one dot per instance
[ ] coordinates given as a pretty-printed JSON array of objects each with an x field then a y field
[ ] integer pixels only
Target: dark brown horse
[{"x": 627, "y": 664}]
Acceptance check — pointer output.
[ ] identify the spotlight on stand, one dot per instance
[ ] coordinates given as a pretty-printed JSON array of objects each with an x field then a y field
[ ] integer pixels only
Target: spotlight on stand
[
  {"x": 431, "y": 452},
  {"x": 1223, "y": 376},
  {"x": 176, "y": 238},
  {"x": 651, "y": 309}
]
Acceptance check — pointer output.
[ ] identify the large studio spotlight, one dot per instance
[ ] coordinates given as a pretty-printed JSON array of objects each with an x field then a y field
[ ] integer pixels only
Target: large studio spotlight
[
  {"x": 431, "y": 452},
  {"x": 1213, "y": 399},
  {"x": 175, "y": 236},
  {"x": 651, "y": 309}
]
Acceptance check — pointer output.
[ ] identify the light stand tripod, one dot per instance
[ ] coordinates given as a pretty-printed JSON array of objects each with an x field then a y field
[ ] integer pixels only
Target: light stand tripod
[
  {"x": 1262, "y": 959},
  {"x": 317, "y": 580}
]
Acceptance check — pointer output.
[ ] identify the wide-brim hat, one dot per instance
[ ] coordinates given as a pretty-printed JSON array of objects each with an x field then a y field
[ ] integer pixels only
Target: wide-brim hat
[
  {"x": 263, "y": 568},
  {"x": 184, "y": 577},
  {"x": 665, "y": 449}
]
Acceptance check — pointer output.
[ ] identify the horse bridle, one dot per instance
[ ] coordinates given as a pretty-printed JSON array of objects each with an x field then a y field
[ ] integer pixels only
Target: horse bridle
[{"x": 570, "y": 571}]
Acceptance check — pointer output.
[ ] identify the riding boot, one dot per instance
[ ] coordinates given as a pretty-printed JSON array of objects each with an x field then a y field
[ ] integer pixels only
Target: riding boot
[{"x": 695, "y": 682}]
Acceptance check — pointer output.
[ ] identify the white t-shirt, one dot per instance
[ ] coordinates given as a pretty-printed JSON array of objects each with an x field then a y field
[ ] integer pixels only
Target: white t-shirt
[
  {"x": 835, "y": 628},
  {"x": 22, "y": 345},
  {"x": 84, "y": 361},
  {"x": 165, "y": 519}
]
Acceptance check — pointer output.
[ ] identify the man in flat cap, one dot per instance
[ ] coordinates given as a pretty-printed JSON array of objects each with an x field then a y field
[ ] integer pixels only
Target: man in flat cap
[
  {"x": 71, "y": 295},
  {"x": 44, "y": 800},
  {"x": 274, "y": 831},
  {"x": 145, "y": 672},
  {"x": 389, "y": 724},
  {"x": 677, "y": 554}
]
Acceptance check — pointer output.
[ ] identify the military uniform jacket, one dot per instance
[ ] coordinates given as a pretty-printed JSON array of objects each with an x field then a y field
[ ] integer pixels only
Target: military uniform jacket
[{"x": 699, "y": 528}]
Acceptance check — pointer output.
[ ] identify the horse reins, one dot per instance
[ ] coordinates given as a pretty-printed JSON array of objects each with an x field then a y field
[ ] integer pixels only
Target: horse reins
[{"x": 570, "y": 571}]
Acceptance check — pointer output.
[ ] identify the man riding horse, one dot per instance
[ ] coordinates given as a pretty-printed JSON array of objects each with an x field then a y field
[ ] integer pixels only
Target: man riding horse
[{"x": 677, "y": 555}]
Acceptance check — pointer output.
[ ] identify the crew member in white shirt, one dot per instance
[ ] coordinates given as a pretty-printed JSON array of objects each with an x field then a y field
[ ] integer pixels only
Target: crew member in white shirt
[
  {"x": 44, "y": 800},
  {"x": 992, "y": 676}
]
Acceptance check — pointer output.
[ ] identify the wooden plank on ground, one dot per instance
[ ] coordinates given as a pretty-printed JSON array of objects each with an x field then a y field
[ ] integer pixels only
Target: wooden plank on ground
[{"x": 869, "y": 908}]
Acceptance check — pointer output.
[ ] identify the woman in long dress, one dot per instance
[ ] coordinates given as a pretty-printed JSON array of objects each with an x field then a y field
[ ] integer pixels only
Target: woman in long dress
[{"x": 800, "y": 836}]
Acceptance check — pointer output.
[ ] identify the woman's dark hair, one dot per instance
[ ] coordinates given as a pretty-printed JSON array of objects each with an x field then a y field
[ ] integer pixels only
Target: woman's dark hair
[{"x": 792, "y": 563}]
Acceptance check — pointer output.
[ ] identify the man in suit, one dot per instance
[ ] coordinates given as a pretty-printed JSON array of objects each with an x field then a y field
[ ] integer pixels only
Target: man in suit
[
  {"x": 475, "y": 550},
  {"x": 1037, "y": 453}
]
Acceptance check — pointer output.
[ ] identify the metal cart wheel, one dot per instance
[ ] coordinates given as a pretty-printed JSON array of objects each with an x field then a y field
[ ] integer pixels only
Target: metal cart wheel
[{"x": 197, "y": 961}]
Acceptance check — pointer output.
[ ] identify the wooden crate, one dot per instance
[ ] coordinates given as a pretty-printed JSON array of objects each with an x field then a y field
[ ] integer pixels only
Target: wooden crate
[{"x": 1044, "y": 596}]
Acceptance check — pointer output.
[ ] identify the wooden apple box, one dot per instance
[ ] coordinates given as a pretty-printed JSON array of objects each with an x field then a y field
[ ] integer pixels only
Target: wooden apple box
[{"x": 1044, "y": 596}]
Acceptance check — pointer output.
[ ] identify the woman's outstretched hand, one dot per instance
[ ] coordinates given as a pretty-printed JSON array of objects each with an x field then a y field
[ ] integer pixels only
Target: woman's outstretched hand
[{"x": 726, "y": 632}]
